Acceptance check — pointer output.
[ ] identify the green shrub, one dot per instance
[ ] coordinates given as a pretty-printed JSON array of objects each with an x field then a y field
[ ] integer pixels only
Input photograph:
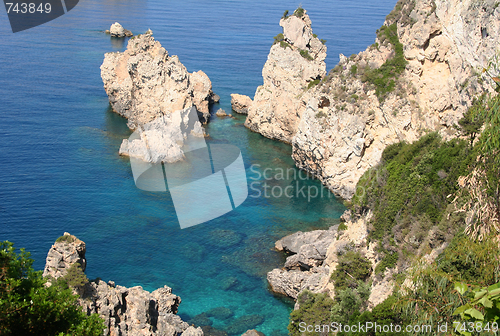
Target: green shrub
[
  {"x": 285, "y": 15},
  {"x": 388, "y": 261},
  {"x": 304, "y": 53},
  {"x": 29, "y": 307},
  {"x": 407, "y": 185},
  {"x": 354, "y": 69},
  {"x": 434, "y": 300},
  {"x": 278, "y": 38},
  {"x": 385, "y": 313},
  {"x": 350, "y": 302},
  {"x": 351, "y": 268},
  {"x": 314, "y": 309},
  {"x": 384, "y": 78},
  {"x": 299, "y": 12},
  {"x": 65, "y": 238},
  {"x": 313, "y": 83},
  {"x": 75, "y": 277},
  {"x": 323, "y": 41},
  {"x": 285, "y": 45}
]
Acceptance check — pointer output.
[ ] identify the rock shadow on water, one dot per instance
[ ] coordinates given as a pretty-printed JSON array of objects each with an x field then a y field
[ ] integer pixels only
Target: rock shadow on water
[
  {"x": 255, "y": 257},
  {"x": 220, "y": 313}
]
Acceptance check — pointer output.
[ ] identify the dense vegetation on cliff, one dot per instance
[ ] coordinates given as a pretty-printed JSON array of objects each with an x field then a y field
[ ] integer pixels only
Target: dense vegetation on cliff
[
  {"x": 429, "y": 196},
  {"x": 29, "y": 307}
]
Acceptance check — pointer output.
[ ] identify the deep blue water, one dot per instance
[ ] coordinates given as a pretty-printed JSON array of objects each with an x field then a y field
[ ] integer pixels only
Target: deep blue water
[{"x": 60, "y": 171}]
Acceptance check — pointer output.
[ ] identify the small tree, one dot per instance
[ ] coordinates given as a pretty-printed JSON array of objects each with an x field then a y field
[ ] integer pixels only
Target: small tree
[
  {"x": 471, "y": 123},
  {"x": 28, "y": 307}
]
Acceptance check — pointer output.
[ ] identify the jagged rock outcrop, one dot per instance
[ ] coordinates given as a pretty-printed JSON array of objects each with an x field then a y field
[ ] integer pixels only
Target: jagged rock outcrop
[
  {"x": 126, "y": 311},
  {"x": 304, "y": 269},
  {"x": 346, "y": 125},
  {"x": 144, "y": 82},
  {"x": 240, "y": 103},
  {"x": 117, "y": 30},
  {"x": 66, "y": 251},
  {"x": 292, "y": 282},
  {"x": 295, "y": 61},
  {"x": 339, "y": 127}
]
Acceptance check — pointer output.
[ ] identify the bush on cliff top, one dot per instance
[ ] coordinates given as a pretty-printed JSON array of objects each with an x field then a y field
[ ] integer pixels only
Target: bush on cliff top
[
  {"x": 65, "y": 238},
  {"x": 299, "y": 12},
  {"x": 28, "y": 307}
]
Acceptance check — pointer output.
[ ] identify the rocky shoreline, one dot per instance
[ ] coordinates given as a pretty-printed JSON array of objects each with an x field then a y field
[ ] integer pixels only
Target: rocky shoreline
[
  {"x": 340, "y": 124},
  {"x": 432, "y": 52},
  {"x": 134, "y": 311},
  {"x": 126, "y": 311}
]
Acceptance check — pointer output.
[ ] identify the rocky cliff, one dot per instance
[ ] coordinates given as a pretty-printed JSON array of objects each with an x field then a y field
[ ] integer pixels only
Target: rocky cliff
[
  {"x": 126, "y": 311},
  {"x": 421, "y": 74},
  {"x": 295, "y": 62},
  {"x": 145, "y": 82}
]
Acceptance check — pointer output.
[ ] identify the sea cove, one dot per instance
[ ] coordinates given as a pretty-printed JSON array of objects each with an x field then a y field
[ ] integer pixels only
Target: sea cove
[{"x": 60, "y": 143}]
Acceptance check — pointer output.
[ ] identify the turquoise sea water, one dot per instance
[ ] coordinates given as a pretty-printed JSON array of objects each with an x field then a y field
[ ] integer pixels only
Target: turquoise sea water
[{"x": 60, "y": 171}]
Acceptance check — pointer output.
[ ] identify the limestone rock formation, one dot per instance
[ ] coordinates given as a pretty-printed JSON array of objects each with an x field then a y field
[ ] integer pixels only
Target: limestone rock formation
[
  {"x": 304, "y": 269},
  {"x": 126, "y": 311},
  {"x": 295, "y": 63},
  {"x": 292, "y": 282},
  {"x": 66, "y": 251},
  {"x": 346, "y": 124},
  {"x": 116, "y": 30},
  {"x": 134, "y": 311},
  {"x": 339, "y": 124},
  {"x": 144, "y": 82},
  {"x": 221, "y": 113},
  {"x": 240, "y": 103}
]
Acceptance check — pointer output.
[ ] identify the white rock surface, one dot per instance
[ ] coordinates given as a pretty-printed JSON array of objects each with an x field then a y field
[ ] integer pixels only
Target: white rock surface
[
  {"x": 116, "y": 30},
  {"x": 280, "y": 101},
  {"x": 163, "y": 139},
  {"x": 240, "y": 103}
]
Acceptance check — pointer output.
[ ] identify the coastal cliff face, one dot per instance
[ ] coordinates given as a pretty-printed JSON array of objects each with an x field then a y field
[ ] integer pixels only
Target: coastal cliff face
[
  {"x": 126, "y": 311},
  {"x": 145, "y": 82},
  {"x": 420, "y": 75},
  {"x": 295, "y": 60}
]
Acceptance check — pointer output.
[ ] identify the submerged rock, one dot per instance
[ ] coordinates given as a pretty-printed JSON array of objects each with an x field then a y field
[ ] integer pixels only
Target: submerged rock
[
  {"x": 211, "y": 331},
  {"x": 220, "y": 313},
  {"x": 224, "y": 238},
  {"x": 253, "y": 332},
  {"x": 201, "y": 320},
  {"x": 244, "y": 323}
]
